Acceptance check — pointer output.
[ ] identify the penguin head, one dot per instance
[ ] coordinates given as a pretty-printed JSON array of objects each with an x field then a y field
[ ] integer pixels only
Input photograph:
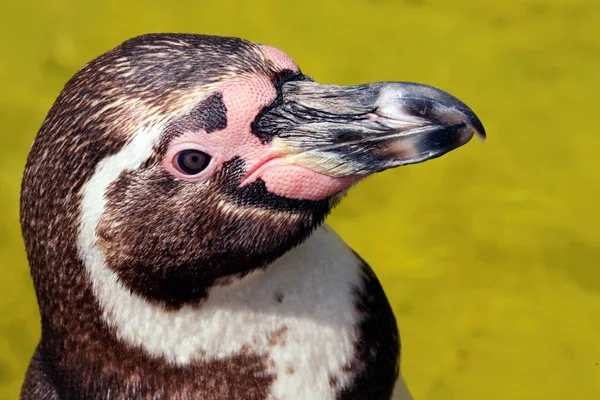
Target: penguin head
[{"x": 183, "y": 161}]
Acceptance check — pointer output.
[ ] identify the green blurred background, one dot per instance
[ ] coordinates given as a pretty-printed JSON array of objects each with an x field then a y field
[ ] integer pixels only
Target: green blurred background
[{"x": 489, "y": 255}]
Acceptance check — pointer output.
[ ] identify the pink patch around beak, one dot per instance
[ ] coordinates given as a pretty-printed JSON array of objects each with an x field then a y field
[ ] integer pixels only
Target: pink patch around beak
[
  {"x": 243, "y": 100},
  {"x": 297, "y": 182}
]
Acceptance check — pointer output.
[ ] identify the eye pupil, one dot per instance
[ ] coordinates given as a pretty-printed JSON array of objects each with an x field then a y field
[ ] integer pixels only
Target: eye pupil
[{"x": 191, "y": 162}]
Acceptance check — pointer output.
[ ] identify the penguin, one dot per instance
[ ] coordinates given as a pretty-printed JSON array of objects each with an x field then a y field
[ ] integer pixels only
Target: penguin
[{"x": 173, "y": 207}]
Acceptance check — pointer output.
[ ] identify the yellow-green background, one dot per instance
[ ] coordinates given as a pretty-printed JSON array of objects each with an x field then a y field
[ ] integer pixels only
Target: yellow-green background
[{"x": 489, "y": 255}]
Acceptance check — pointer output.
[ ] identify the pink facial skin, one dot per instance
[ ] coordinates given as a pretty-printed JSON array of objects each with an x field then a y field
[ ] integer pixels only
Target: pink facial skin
[{"x": 243, "y": 100}]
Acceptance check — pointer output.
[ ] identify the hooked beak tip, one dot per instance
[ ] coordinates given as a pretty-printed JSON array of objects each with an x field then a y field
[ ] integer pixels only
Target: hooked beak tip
[{"x": 477, "y": 127}]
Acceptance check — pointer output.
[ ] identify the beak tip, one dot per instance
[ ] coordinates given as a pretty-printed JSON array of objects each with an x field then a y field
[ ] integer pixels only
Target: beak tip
[{"x": 478, "y": 128}]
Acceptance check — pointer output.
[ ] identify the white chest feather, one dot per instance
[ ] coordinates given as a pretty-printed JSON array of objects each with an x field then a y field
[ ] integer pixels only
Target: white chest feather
[{"x": 300, "y": 312}]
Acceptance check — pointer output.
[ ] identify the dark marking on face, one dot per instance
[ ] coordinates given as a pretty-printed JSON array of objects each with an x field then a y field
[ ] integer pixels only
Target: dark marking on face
[
  {"x": 279, "y": 297},
  {"x": 290, "y": 371},
  {"x": 377, "y": 349},
  {"x": 210, "y": 115},
  {"x": 257, "y": 195}
]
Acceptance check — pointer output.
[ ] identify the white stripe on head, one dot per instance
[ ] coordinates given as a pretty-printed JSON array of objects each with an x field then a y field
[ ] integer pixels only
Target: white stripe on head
[{"x": 315, "y": 320}]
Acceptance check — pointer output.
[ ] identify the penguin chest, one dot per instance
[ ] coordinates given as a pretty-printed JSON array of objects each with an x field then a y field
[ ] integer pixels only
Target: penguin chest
[{"x": 300, "y": 321}]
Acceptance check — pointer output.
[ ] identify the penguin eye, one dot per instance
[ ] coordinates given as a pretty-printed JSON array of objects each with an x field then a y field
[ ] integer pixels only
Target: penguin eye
[{"x": 191, "y": 161}]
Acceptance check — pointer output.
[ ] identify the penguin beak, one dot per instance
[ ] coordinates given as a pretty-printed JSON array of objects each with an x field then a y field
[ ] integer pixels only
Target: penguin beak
[{"x": 357, "y": 130}]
